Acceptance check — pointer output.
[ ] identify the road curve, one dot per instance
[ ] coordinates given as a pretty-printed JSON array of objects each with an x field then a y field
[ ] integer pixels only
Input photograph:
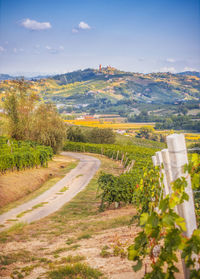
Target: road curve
[{"x": 53, "y": 199}]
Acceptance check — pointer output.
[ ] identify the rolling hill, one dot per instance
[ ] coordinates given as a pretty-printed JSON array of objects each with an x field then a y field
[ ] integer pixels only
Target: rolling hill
[{"x": 111, "y": 85}]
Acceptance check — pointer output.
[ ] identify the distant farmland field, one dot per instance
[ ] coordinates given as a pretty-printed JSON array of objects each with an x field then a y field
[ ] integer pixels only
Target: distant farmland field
[
  {"x": 132, "y": 127},
  {"x": 108, "y": 124}
]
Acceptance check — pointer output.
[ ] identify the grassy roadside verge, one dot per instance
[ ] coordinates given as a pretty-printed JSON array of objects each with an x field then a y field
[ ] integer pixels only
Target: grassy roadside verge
[
  {"x": 56, "y": 241},
  {"x": 44, "y": 187},
  {"x": 75, "y": 215}
]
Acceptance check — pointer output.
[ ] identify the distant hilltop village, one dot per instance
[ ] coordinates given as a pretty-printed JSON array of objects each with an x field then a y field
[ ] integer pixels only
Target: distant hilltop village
[{"x": 107, "y": 70}]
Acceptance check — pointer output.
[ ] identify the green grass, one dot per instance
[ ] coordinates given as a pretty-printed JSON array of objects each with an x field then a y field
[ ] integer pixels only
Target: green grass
[
  {"x": 84, "y": 236},
  {"x": 23, "y": 213},
  {"x": 73, "y": 259},
  {"x": 44, "y": 187},
  {"x": 70, "y": 240},
  {"x": 65, "y": 249},
  {"x": 29, "y": 210},
  {"x": 64, "y": 189},
  {"x": 16, "y": 228},
  {"x": 39, "y": 205},
  {"x": 22, "y": 255},
  {"x": 76, "y": 271}
]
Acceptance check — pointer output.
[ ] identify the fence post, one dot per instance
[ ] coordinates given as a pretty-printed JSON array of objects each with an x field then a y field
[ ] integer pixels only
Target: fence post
[
  {"x": 117, "y": 155},
  {"x": 162, "y": 172},
  {"x": 178, "y": 158},
  {"x": 125, "y": 162},
  {"x": 131, "y": 165},
  {"x": 167, "y": 168},
  {"x": 122, "y": 159},
  {"x": 154, "y": 159}
]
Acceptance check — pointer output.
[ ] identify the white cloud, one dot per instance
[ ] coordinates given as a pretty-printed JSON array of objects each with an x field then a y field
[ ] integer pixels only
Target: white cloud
[
  {"x": 171, "y": 60},
  {"x": 83, "y": 25},
  {"x": 168, "y": 69},
  {"x": 2, "y": 49},
  {"x": 189, "y": 69},
  {"x": 74, "y": 30},
  {"x": 35, "y": 25},
  {"x": 48, "y": 47},
  {"x": 17, "y": 50},
  {"x": 53, "y": 50}
]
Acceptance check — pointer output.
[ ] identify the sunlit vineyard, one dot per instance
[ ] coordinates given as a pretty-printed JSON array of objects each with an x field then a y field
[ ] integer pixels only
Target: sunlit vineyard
[
  {"x": 140, "y": 156},
  {"x": 20, "y": 155}
]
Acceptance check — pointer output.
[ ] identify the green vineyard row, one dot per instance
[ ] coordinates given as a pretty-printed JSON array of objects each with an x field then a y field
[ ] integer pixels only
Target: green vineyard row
[
  {"x": 141, "y": 156},
  {"x": 21, "y": 155}
]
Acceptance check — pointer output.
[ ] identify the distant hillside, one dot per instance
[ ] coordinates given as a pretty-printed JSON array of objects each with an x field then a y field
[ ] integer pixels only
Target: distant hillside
[
  {"x": 188, "y": 73},
  {"x": 116, "y": 85},
  {"x": 6, "y": 77},
  {"x": 111, "y": 85},
  {"x": 9, "y": 77}
]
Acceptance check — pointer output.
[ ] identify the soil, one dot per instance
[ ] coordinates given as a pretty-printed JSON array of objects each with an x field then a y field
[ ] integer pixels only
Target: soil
[{"x": 113, "y": 267}]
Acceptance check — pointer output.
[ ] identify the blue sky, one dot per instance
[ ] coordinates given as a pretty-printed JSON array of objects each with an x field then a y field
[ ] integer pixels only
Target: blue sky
[{"x": 57, "y": 36}]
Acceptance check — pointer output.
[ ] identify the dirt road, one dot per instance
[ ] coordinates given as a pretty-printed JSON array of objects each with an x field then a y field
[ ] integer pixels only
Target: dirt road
[{"x": 54, "y": 198}]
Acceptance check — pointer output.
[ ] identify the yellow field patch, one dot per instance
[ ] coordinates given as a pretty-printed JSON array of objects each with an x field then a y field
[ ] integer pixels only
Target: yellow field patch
[
  {"x": 192, "y": 137},
  {"x": 108, "y": 124}
]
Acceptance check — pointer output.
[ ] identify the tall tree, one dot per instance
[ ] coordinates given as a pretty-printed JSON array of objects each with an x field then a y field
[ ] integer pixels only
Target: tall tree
[
  {"x": 19, "y": 105},
  {"x": 48, "y": 128},
  {"x": 30, "y": 120}
]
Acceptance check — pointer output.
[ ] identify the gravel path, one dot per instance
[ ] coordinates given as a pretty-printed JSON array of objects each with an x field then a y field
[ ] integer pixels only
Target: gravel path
[{"x": 53, "y": 199}]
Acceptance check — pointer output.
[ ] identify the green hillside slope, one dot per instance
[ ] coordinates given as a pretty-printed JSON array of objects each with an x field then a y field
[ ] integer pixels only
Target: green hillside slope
[{"x": 112, "y": 85}]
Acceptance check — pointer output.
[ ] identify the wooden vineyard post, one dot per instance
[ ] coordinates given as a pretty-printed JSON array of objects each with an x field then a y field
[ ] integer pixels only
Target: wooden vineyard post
[
  {"x": 162, "y": 172},
  {"x": 154, "y": 159},
  {"x": 125, "y": 162},
  {"x": 122, "y": 159},
  {"x": 167, "y": 167},
  {"x": 131, "y": 166},
  {"x": 126, "y": 169},
  {"x": 178, "y": 158},
  {"x": 117, "y": 155}
]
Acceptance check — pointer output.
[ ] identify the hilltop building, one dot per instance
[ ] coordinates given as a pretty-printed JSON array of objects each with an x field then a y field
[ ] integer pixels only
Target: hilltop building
[{"x": 107, "y": 70}]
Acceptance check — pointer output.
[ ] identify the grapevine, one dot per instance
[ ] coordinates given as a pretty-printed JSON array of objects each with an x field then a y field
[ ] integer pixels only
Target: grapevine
[{"x": 20, "y": 155}]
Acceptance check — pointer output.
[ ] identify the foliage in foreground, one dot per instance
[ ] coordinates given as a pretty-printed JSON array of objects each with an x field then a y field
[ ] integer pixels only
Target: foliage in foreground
[{"x": 162, "y": 234}]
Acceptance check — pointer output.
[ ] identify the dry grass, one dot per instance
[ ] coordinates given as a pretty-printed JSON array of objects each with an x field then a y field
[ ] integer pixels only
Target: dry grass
[{"x": 23, "y": 185}]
